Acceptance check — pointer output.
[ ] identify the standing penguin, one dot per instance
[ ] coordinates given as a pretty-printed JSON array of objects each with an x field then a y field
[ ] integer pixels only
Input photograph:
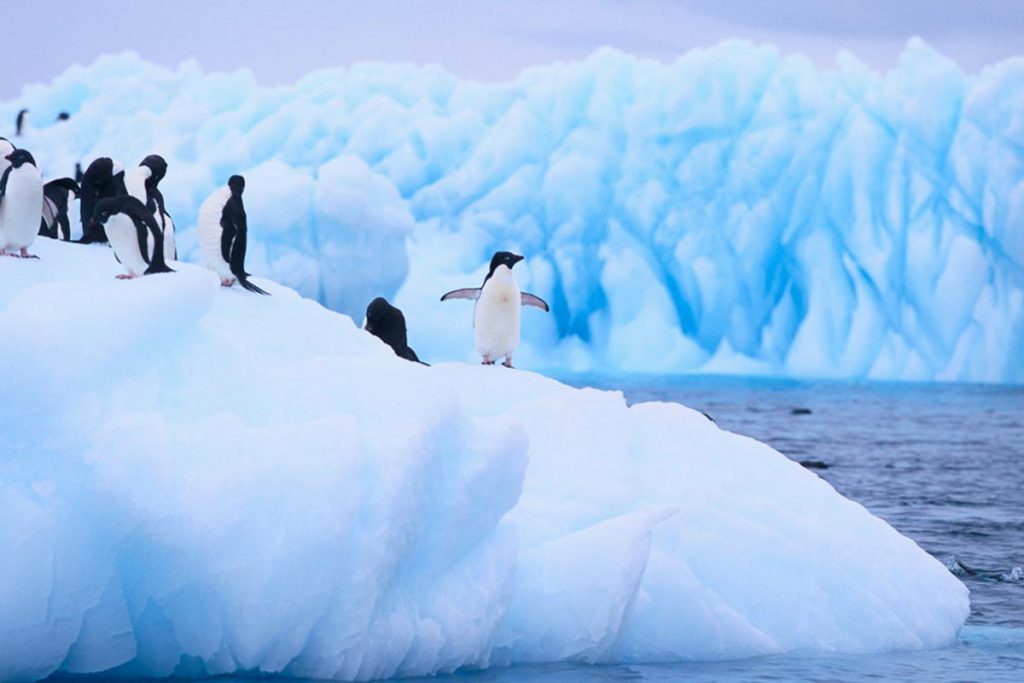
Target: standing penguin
[
  {"x": 223, "y": 233},
  {"x": 21, "y": 123},
  {"x": 55, "y": 223},
  {"x": 21, "y": 196},
  {"x": 387, "y": 323},
  {"x": 142, "y": 183},
  {"x": 103, "y": 178},
  {"x": 5, "y": 148},
  {"x": 130, "y": 226},
  {"x": 497, "y": 311}
]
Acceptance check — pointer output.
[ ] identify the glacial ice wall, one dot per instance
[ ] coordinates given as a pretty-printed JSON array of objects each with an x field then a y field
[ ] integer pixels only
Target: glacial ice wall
[
  {"x": 201, "y": 481},
  {"x": 732, "y": 211}
]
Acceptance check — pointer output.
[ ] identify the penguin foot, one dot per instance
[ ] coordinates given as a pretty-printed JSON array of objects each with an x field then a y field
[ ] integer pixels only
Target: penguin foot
[
  {"x": 486, "y": 361},
  {"x": 24, "y": 254},
  {"x": 507, "y": 363},
  {"x": 125, "y": 276},
  {"x": 226, "y": 283}
]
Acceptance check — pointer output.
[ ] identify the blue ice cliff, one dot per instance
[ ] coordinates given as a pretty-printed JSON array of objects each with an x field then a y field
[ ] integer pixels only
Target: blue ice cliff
[
  {"x": 733, "y": 211},
  {"x": 197, "y": 481}
]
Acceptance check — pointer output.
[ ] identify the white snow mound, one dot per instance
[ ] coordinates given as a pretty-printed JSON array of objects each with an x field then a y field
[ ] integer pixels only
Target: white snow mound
[{"x": 198, "y": 481}]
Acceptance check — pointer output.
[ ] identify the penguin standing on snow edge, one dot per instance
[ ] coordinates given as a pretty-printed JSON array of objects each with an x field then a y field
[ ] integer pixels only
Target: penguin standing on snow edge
[
  {"x": 131, "y": 228},
  {"x": 21, "y": 198},
  {"x": 142, "y": 182},
  {"x": 223, "y": 233},
  {"x": 497, "y": 311},
  {"x": 387, "y": 323}
]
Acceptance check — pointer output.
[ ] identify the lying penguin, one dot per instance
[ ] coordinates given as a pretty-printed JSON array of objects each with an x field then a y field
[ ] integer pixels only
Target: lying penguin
[
  {"x": 131, "y": 228},
  {"x": 387, "y": 323},
  {"x": 55, "y": 222},
  {"x": 497, "y": 311},
  {"x": 223, "y": 232}
]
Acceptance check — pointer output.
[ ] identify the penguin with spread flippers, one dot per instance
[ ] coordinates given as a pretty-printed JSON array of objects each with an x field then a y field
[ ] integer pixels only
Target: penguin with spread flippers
[
  {"x": 55, "y": 222},
  {"x": 387, "y": 323},
  {"x": 143, "y": 183},
  {"x": 131, "y": 228},
  {"x": 103, "y": 179},
  {"x": 497, "y": 311},
  {"x": 223, "y": 233},
  {"x": 21, "y": 196}
]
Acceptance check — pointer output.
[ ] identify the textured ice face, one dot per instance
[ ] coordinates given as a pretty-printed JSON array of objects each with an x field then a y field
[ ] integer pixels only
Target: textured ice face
[
  {"x": 733, "y": 211},
  {"x": 197, "y": 481}
]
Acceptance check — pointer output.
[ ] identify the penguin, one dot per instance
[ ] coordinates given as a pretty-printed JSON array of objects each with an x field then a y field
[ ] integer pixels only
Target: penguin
[
  {"x": 129, "y": 226},
  {"x": 102, "y": 179},
  {"x": 497, "y": 311},
  {"x": 63, "y": 116},
  {"x": 78, "y": 173},
  {"x": 21, "y": 196},
  {"x": 223, "y": 233},
  {"x": 21, "y": 123},
  {"x": 55, "y": 223},
  {"x": 387, "y": 323},
  {"x": 142, "y": 182},
  {"x": 5, "y": 148}
]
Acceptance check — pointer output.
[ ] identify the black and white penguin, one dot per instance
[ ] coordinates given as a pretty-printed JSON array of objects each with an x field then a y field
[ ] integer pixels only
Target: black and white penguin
[
  {"x": 21, "y": 123},
  {"x": 55, "y": 223},
  {"x": 497, "y": 311},
  {"x": 223, "y": 233},
  {"x": 130, "y": 226},
  {"x": 142, "y": 183},
  {"x": 63, "y": 116},
  {"x": 21, "y": 195},
  {"x": 5, "y": 149},
  {"x": 104, "y": 178},
  {"x": 387, "y": 323}
]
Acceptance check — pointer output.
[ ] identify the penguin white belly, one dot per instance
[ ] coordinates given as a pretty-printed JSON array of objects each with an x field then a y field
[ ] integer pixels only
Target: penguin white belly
[
  {"x": 125, "y": 241},
  {"x": 496, "y": 316},
  {"x": 22, "y": 207},
  {"x": 170, "y": 249},
  {"x": 210, "y": 232}
]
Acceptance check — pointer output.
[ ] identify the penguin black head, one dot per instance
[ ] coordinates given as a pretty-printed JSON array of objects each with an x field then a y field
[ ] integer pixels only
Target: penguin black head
[
  {"x": 503, "y": 258},
  {"x": 237, "y": 184},
  {"x": 19, "y": 157},
  {"x": 157, "y": 165},
  {"x": 126, "y": 204},
  {"x": 63, "y": 116}
]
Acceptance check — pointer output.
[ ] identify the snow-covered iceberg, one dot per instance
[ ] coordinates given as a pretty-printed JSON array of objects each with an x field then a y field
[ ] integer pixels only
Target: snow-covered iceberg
[
  {"x": 733, "y": 211},
  {"x": 197, "y": 480}
]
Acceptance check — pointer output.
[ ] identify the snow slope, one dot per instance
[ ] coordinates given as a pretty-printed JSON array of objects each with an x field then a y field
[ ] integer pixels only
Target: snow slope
[
  {"x": 733, "y": 211},
  {"x": 197, "y": 480}
]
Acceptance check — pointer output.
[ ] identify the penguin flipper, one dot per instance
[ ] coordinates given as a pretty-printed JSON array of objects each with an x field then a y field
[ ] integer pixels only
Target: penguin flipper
[
  {"x": 68, "y": 184},
  {"x": 464, "y": 293},
  {"x": 535, "y": 301}
]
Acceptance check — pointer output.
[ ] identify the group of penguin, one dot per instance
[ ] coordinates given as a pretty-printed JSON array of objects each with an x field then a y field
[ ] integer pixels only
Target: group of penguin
[{"x": 125, "y": 208}]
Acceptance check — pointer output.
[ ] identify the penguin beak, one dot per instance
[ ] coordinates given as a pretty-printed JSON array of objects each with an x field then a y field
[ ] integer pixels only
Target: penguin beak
[{"x": 516, "y": 258}]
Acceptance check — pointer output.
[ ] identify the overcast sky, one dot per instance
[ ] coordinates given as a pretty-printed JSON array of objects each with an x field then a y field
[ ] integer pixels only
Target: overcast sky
[{"x": 483, "y": 39}]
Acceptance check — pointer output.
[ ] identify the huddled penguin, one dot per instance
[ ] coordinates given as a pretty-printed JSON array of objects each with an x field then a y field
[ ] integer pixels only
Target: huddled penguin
[
  {"x": 387, "y": 323},
  {"x": 21, "y": 196},
  {"x": 21, "y": 123},
  {"x": 55, "y": 223},
  {"x": 103, "y": 178},
  {"x": 142, "y": 183},
  {"x": 497, "y": 311},
  {"x": 223, "y": 233},
  {"x": 130, "y": 226}
]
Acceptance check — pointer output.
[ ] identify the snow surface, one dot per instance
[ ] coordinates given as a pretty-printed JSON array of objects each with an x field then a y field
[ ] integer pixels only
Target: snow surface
[
  {"x": 196, "y": 480},
  {"x": 733, "y": 211}
]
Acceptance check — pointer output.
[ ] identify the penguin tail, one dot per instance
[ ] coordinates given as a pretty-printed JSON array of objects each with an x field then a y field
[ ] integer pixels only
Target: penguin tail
[
  {"x": 244, "y": 281},
  {"x": 155, "y": 268}
]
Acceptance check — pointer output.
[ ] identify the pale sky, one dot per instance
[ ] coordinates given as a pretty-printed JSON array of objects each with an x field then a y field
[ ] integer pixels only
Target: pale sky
[{"x": 483, "y": 39}]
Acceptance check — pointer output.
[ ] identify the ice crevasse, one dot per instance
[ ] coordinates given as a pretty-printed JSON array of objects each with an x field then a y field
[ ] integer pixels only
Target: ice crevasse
[
  {"x": 734, "y": 210},
  {"x": 198, "y": 481}
]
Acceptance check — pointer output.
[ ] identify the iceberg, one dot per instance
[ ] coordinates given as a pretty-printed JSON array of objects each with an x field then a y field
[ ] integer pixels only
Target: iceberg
[
  {"x": 198, "y": 481},
  {"x": 733, "y": 211}
]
